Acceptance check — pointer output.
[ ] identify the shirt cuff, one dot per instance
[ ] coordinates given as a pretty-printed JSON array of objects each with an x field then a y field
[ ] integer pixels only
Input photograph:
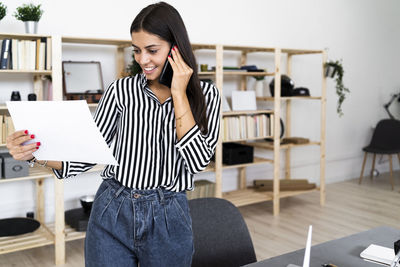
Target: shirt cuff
[
  {"x": 188, "y": 137},
  {"x": 60, "y": 174}
]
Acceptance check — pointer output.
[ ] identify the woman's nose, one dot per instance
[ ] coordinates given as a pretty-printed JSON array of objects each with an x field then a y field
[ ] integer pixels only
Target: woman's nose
[{"x": 143, "y": 59}]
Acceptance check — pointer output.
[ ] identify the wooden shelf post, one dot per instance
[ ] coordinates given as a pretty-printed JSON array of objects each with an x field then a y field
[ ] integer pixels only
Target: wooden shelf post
[
  {"x": 218, "y": 152},
  {"x": 323, "y": 131},
  {"x": 277, "y": 130}
]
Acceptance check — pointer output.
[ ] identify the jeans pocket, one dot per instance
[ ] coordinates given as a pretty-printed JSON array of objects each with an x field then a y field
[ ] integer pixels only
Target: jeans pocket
[
  {"x": 103, "y": 189},
  {"x": 183, "y": 210}
]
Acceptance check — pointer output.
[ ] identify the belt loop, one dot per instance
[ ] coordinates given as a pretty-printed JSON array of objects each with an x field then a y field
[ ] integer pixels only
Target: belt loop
[
  {"x": 161, "y": 194},
  {"x": 119, "y": 191}
]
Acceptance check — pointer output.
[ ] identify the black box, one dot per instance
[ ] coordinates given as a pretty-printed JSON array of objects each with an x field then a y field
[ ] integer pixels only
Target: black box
[
  {"x": 77, "y": 219},
  {"x": 233, "y": 153}
]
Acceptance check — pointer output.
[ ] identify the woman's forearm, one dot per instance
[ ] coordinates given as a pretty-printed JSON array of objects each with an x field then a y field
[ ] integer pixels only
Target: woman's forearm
[{"x": 51, "y": 164}]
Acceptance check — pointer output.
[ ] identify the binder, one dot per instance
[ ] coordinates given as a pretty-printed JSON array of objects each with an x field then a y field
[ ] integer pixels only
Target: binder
[{"x": 5, "y": 53}]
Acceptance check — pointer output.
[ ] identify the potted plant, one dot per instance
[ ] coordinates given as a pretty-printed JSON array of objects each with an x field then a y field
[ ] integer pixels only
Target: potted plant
[
  {"x": 30, "y": 15},
  {"x": 133, "y": 68},
  {"x": 335, "y": 69},
  {"x": 259, "y": 86},
  {"x": 3, "y": 10}
]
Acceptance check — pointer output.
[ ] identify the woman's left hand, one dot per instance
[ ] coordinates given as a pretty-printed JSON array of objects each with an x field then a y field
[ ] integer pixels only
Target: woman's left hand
[{"x": 182, "y": 73}]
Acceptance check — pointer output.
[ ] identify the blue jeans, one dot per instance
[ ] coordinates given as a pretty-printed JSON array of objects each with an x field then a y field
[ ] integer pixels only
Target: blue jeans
[{"x": 129, "y": 227}]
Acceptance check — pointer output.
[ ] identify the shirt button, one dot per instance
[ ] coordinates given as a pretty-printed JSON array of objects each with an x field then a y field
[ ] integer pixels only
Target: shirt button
[{"x": 136, "y": 195}]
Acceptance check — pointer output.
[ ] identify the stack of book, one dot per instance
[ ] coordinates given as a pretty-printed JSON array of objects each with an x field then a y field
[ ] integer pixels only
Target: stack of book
[
  {"x": 25, "y": 54},
  {"x": 202, "y": 188},
  {"x": 7, "y": 128},
  {"x": 247, "y": 127}
]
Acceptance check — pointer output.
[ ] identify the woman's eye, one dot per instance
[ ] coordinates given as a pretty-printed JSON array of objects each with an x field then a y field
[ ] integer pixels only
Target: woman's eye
[
  {"x": 153, "y": 51},
  {"x": 135, "y": 51}
]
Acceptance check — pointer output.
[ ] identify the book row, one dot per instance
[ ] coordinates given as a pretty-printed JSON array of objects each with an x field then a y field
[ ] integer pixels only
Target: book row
[
  {"x": 26, "y": 54},
  {"x": 247, "y": 127}
]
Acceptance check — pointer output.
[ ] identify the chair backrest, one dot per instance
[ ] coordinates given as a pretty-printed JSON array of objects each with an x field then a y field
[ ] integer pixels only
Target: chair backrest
[
  {"x": 386, "y": 135},
  {"x": 221, "y": 237}
]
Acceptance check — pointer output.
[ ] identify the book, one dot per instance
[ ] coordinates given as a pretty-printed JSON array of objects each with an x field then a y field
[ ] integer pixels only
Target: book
[
  {"x": 5, "y": 54},
  {"x": 378, "y": 254},
  {"x": 1, "y": 130},
  {"x": 42, "y": 54},
  {"x": 21, "y": 54},
  {"x": 15, "y": 54},
  {"x": 48, "y": 54},
  {"x": 37, "y": 54},
  {"x": 32, "y": 55}
]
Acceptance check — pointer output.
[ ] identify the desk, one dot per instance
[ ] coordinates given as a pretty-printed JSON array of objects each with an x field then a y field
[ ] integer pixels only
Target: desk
[{"x": 344, "y": 252}]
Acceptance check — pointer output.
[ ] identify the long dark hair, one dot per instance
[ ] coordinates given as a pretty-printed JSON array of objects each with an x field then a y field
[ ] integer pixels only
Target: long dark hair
[{"x": 164, "y": 21}]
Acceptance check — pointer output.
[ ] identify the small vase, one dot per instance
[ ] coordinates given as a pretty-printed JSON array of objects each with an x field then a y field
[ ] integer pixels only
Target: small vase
[
  {"x": 31, "y": 27},
  {"x": 259, "y": 88}
]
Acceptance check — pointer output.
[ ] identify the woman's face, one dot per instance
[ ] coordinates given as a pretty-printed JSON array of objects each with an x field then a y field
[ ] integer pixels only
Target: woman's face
[{"x": 150, "y": 52}]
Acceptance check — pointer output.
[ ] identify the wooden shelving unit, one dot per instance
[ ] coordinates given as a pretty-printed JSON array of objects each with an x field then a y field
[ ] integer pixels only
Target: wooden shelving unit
[{"x": 245, "y": 195}]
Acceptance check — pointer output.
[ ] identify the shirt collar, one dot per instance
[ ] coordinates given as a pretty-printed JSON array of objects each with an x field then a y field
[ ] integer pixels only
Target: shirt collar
[
  {"x": 147, "y": 90},
  {"x": 143, "y": 80}
]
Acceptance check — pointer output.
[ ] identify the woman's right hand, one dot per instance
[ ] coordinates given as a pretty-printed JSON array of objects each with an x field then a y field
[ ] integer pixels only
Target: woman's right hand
[{"x": 19, "y": 151}]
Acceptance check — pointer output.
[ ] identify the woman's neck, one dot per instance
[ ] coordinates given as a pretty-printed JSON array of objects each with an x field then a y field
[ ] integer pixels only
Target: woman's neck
[{"x": 155, "y": 85}]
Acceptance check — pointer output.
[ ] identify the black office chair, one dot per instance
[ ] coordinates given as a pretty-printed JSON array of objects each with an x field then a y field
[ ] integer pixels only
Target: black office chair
[
  {"x": 385, "y": 140},
  {"x": 221, "y": 237}
]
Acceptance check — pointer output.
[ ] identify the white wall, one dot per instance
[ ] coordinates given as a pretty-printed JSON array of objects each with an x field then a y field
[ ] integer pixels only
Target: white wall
[{"x": 364, "y": 33}]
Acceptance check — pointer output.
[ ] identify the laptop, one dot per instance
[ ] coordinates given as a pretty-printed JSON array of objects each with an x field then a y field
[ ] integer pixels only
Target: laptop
[{"x": 306, "y": 261}]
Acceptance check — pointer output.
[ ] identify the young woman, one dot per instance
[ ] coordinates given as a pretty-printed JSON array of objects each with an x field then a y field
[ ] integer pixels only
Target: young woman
[{"x": 162, "y": 135}]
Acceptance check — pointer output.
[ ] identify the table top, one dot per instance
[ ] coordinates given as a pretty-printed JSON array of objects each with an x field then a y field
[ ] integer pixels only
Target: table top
[{"x": 343, "y": 252}]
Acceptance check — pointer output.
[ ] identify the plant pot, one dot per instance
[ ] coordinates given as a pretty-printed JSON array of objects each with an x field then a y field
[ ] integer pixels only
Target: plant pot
[
  {"x": 330, "y": 71},
  {"x": 31, "y": 27},
  {"x": 259, "y": 88}
]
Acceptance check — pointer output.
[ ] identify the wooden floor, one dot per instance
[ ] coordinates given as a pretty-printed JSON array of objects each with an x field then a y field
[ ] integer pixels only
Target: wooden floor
[{"x": 350, "y": 208}]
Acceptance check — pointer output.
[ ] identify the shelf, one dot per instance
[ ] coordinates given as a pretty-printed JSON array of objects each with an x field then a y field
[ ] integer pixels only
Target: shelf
[
  {"x": 238, "y": 73},
  {"x": 249, "y": 49},
  {"x": 99, "y": 41},
  {"x": 270, "y": 145},
  {"x": 249, "y": 195},
  {"x": 256, "y": 161},
  {"x": 93, "y": 105},
  {"x": 22, "y": 36},
  {"x": 70, "y": 233},
  {"x": 39, "y": 172},
  {"x": 40, "y": 237},
  {"x": 203, "y": 46},
  {"x": 38, "y": 72},
  {"x": 284, "y": 194},
  {"x": 247, "y": 112},
  {"x": 210, "y": 167},
  {"x": 246, "y": 197},
  {"x": 34, "y": 173},
  {"x": 289, "y": 98},
  {"x": 247, "y": 139}
]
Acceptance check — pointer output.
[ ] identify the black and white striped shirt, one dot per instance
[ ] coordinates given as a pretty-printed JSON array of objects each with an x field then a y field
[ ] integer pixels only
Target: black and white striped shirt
[{"x": 146, "y": 145}]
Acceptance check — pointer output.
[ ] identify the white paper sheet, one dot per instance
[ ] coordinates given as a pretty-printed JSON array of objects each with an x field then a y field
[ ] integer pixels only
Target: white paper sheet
[
  {"x": 65, "y": 129},
  {"x": 244, "y": 100}
]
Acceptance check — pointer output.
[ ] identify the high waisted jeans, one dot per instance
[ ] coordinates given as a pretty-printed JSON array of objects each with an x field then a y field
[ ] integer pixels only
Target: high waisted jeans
[{"x": 146, "y": 227}]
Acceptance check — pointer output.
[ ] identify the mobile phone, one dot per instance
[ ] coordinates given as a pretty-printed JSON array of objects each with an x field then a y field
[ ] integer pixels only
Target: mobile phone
[{"x": 167, "y": 72}]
